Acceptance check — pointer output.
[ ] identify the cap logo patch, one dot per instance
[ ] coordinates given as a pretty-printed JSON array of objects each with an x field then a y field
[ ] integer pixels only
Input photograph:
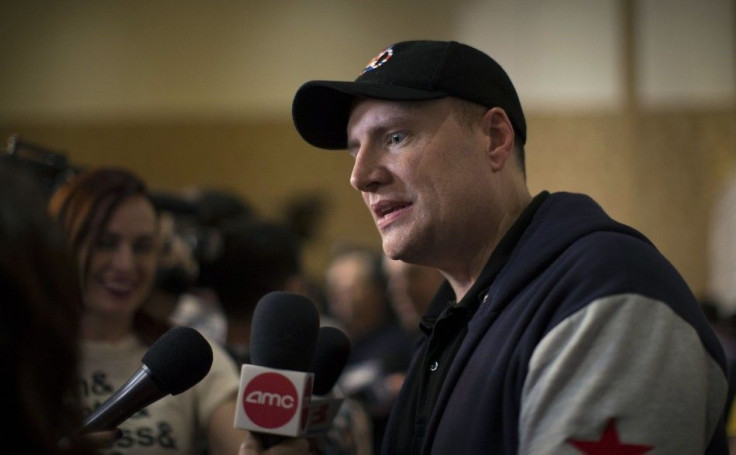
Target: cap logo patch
[{"x": 379, "y": 60}]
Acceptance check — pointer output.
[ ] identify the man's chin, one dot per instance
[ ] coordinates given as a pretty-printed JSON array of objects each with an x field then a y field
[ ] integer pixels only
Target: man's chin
[{"x": 395, "y": 251}]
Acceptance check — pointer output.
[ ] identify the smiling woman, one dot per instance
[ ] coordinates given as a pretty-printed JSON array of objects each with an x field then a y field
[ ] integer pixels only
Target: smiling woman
[
  {"x": 121, "y": 265},
  {"x": 111, "y": 223},
  {"x": 107, "y": 217}
]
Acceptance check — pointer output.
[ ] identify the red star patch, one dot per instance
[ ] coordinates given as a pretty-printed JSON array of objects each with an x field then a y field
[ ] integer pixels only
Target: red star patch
[{"x": 609, "y": 444}]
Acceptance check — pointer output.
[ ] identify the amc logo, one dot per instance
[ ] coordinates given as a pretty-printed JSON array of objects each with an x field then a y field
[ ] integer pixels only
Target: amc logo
[{"x": 270, "y": 400}]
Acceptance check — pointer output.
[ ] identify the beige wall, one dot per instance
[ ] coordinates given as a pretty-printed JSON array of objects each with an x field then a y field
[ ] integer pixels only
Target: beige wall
[{"x": 659, "y": 173}]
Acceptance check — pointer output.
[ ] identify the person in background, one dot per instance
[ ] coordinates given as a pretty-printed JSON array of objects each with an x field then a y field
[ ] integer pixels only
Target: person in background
[
  {"x": 218, "y": 205},
  {"x": 411, "y": 288},
  {"x": 40, "y": 304},
  {"x": 557, "y": 329},
  {"x": 357, "y": 298},
  {"x": 189, "y": 229},
  {"x": 176, "y": 270},
  {"x": 111, "y": 224},
  {"x": 178, "y": 296},
  {"x": 213, "y": 207},
  {"x": 257, "y": 257}
]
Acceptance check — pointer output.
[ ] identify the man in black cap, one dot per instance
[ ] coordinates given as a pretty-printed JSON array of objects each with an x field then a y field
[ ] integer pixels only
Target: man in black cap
[{"x": 557, "y": 330}]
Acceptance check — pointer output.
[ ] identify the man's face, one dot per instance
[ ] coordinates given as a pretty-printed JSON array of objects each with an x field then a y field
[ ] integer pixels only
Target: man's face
[{"x": 423, "y": 175}]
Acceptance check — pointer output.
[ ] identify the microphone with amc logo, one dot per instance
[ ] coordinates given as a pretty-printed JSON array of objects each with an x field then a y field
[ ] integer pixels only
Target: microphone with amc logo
[{"x": 275, "y": 390}]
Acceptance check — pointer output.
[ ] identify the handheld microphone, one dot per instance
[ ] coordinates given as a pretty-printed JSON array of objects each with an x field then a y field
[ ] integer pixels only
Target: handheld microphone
[
  {"x": 330, "y": 357},
  {"x": 275, "y": 389},
  {"x": 179, "y": 359}
]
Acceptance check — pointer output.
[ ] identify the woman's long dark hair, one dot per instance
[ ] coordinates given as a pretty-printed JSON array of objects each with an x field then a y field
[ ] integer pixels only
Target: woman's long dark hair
[{"x": 40, "y": 307}]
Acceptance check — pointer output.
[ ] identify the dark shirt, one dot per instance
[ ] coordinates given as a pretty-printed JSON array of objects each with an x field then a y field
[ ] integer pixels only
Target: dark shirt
[{"x": 446, "y": 323}]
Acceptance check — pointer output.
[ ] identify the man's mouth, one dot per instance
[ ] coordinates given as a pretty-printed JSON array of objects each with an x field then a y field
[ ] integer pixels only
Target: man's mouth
[
  {"x": 387, "y": 211},
  {"x": 383, "y": 211}
]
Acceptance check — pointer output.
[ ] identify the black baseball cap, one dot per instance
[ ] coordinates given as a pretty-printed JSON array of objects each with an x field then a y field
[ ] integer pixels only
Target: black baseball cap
[{"x": 406, "y": 71}]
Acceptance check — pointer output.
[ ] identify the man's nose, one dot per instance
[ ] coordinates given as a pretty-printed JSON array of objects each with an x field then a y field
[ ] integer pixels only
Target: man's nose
[{"x": 369, "y": 171}]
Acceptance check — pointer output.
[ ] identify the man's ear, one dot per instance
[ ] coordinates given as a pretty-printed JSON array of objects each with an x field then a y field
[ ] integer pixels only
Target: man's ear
[{"x": 501, "y": 144}]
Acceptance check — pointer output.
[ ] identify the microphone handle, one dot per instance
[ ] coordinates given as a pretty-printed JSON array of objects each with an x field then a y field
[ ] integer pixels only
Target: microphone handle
[{"x": 137, "y": 393}]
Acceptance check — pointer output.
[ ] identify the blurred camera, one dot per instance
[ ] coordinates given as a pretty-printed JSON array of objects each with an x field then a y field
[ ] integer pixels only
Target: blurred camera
[{"x": 49, "y": 168}]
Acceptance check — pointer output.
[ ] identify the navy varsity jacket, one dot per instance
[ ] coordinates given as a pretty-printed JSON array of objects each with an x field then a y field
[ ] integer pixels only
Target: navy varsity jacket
[{"x": 587, "y": 341}]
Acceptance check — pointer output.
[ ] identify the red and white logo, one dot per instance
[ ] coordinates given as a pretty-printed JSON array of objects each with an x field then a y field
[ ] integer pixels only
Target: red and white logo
[
  {"x": 379, "y": 60},
  {"x": 270, "y": 400}
]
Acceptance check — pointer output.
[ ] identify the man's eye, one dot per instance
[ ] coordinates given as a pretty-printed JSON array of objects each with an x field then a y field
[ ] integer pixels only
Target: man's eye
[{"x": 396, "y": 138}]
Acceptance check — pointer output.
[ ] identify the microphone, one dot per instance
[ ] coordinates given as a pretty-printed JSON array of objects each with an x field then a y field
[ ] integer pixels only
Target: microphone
[
  {"x": 276, "y": 387},
  {"x": 176, "y": 361},
  {"x": 330, "y": 357}
]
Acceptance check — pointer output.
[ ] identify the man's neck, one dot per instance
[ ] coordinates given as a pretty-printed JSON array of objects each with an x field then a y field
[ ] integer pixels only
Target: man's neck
[{"x": 462, "y": 278}]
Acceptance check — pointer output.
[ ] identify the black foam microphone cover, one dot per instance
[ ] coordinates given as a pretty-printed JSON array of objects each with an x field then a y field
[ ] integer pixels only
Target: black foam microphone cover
[
  {"x": 284, "y": 332},
  {"x": 176, "y": 361},
  {"x": 330, "y": 357},
  {"x": 179, "y": 359}
]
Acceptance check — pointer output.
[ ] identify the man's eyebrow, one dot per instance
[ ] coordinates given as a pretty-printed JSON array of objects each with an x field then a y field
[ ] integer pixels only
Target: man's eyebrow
[
  {"x": 372, "y": 131},
  {"x": 401, "y": 118}
]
